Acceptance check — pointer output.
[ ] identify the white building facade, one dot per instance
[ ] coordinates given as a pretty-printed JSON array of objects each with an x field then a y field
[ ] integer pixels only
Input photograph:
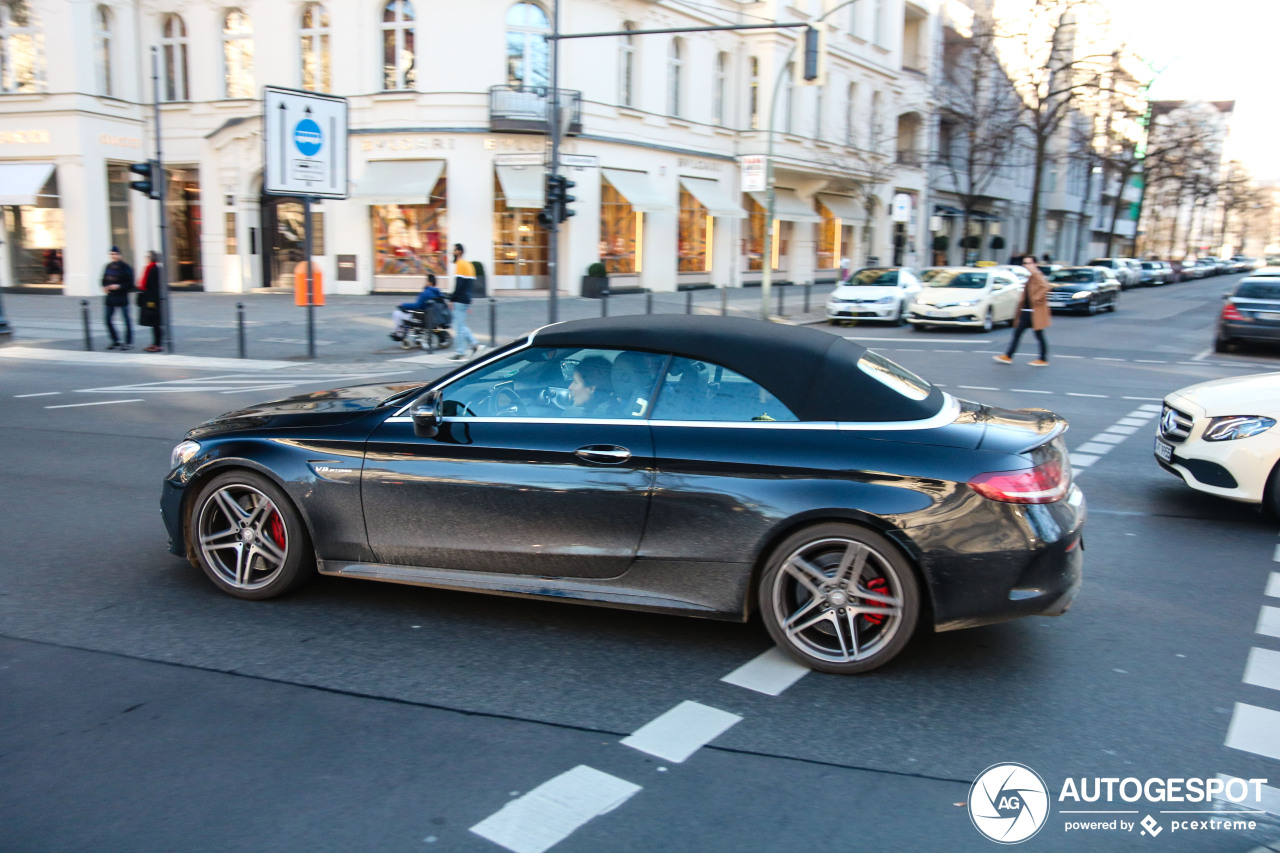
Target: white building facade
[{"x": 447, "y": 141}]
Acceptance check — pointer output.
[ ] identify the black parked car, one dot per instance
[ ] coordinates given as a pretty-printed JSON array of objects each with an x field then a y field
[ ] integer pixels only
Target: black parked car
[
  {"x": 705, "y": 466},
  {"x": 1251, "y": 312},
  {"x": 1085, "y": 290}
]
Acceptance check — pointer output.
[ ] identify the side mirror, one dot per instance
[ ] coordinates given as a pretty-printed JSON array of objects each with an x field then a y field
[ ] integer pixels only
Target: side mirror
[{"x": 426, "y": 415}]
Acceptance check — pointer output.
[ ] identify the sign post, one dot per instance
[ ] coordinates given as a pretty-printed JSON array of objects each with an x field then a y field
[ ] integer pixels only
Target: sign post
[{"x": 304, "y": 137}]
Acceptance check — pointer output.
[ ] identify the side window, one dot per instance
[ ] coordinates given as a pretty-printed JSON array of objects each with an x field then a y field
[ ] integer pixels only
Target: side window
[
  {"x": 565, "y": 382},
  {"x": 702, "y": 391}
]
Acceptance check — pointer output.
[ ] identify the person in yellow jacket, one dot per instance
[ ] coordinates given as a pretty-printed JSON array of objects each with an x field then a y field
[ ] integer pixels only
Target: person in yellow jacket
[
  {"x": 464, "y": 280},
  {"x": 1034, "y": 312}
]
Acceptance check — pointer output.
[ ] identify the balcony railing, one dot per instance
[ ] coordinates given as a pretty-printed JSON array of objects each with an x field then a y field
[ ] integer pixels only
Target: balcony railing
[{"x": 516, "y": 109}]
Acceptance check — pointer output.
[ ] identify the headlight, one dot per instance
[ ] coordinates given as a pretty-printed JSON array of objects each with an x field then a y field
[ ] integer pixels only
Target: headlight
[
  {"x": 884, "y": 300},
  {"x": 1232, "y": 427},
  {"x": 1080, "y": 294},
  {"x": 182, "y": 453}
]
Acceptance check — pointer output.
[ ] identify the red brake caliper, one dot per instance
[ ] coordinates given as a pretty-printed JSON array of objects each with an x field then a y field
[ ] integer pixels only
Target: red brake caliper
[
  {"x": 881, "y": 586},
  {"x": 276, "y": 528}
]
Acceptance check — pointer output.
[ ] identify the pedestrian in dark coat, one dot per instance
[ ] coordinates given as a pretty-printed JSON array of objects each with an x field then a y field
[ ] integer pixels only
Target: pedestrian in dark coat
[
  {"x": 1033, "y": 313},
  {"x": 117, "y": 283},
  {"x": 149, "y": 301}
]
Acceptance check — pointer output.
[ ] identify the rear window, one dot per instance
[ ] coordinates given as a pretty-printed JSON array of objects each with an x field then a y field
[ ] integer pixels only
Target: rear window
[
  {"x": 894, "y": 375},
  {"x": 1259, "y": 289},
  {"x": 1103, "y": 262}
]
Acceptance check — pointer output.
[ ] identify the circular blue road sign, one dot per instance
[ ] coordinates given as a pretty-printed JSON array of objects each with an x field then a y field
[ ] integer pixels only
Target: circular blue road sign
[{"x": 307, "y": 137}]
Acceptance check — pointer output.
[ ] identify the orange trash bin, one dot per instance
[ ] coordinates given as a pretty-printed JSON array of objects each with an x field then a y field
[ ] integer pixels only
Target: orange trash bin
[{"x": 300, "y": 284}]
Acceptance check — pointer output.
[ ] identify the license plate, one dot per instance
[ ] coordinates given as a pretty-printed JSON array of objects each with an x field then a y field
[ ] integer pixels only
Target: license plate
[
  {"x": 1164, "y": 452},
  {"x": 1268, "y": 315},
  {"x": 936, "y": 314}
]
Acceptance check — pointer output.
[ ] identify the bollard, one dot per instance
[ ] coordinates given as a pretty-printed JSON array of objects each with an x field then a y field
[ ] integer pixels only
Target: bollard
[
  {"x": 84, "y": 314},
  {"x": 780, "y": 292},
  {"x": 648, "y": 302},
  {"x": 807, "y": 288},
  {"x": 688, "y": 302},
  {"x": 240, "y": 327},
  {"x": 493, "y": 322},
  {"x": 724, "y": 301},
  {"x": 604, "y": 302}
]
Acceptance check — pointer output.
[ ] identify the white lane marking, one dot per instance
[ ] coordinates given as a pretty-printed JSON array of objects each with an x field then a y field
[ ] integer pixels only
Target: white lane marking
[
  {"x": 977, "y": 388},
  {"x": 1269, "y": 621},
  {"x": 1082, "y": 460},
  {"x": 1255, "y": 730},
  {"x": 97, "y": 403},
  {"x": 1104, "y": 358},
  {"x": 1122, "y": 430},
  {"x": 1108, "y": 437},
  {"x": 769, "y": 673},
  {"x": 1078, "y": 394},
  {"x": 551, "y": 812},
  {"x": 1276, "y": 556},
  {"x": 1263, "y": 668},
  {"x": 1094, "y": 447},
  {"x": 1268, "y": 802},
  {"x": 1069, "y": 356},
  {"x": 151, "y": 359},
  {"x": 41, "y": 394},
  {"x": 682, "y": 731},
  {"x": 1133, "y": 422},
  {"x": 1149, "y": 361},
  {"x": 1140, "y": 398},
  {"x": 1148, "y": 408},
  {"x": 1028, "y": 391},
  {"x": 1140, "y": 415},
  {"x": 1273, "y": 585}
]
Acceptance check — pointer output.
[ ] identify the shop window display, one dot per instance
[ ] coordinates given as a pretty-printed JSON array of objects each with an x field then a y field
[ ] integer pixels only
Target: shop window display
[
  {"x": 519, "y": 242},
  {"x": 695, "y": 234},
  {"x": 829, "y": 234},
  {"x": 411, "y": 239},
  {"x": 620, "y": 231}
]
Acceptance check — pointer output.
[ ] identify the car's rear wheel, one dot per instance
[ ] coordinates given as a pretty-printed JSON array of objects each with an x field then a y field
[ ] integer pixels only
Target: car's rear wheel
[
  {"x": 1221, "y": 344},
  {"x": 248, "y": 538},
  {"x": 988, "y": 321},
  {"x": 839, "y": 598}
]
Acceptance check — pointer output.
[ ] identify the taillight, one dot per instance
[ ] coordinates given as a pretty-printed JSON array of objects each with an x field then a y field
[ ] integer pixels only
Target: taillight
[
  {"x": 1230, "y": 312},
  {"x": 1043, "y": 484}
]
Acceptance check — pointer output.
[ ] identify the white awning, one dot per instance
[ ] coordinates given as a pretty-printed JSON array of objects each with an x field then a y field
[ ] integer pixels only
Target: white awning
[
  {"x": 21, "y": 183},
  {"x": 843, "y": 207},
  {"x": 637, "y": 189},
  {"x": 787, "y": 206},
  {"x": 713, "y": 196},
  {"x": 392, "y": 181},
  {"x": 523, "y": 186}
]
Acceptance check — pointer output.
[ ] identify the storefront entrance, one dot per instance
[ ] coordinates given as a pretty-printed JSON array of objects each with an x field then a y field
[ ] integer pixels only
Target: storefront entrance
[{"x": 284, "y": 238}]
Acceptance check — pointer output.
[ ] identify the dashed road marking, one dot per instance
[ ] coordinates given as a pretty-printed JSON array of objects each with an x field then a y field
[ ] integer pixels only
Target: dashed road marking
[
  {"x": 1263, "y": 668},
  {"x": 41, "y": 394},
  {"x": 552, "y": 811},
  {"x": 977, "y": 388},
  {"x": 1273, "y": 585},
  {"x": 1269, "y": 621},
  {"x": 682, "y": 731},
  {"x": 769, "y": 673},
  {"x": 1108, "y": 438},
  {"x": 1095, "y": 447},
  {"x": 1083, "y": 460},
  {"x": 1121, "y": 430},
  {"x": 1028, "y": 391},
  {"x": 95, "y": 403},
  {"x": 1268, "y": 802},
  {"x": 1255, "y": 730},
  {"x": 1080, "y": 394},
  {"x": 1133, "y": 422}
]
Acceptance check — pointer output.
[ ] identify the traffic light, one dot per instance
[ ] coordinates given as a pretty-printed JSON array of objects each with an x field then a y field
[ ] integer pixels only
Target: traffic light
[
  {"x": 152, "y": 183},
  {"x": 558, "y": 201},
  {"x": 813, "y": 68},
  {"x": 564, "y": 199},
  {"x": 810, "y": 53}
]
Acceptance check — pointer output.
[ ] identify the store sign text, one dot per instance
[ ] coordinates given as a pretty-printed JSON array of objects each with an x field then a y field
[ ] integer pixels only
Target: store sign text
[
  {"x": 24, "y": 137},
  {"x": 406, "y": 143},
  {"x": 119, "y": 141}
]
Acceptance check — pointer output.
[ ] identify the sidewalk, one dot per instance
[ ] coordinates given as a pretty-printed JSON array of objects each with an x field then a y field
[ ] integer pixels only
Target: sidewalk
[{"x": 349, "y": 330}]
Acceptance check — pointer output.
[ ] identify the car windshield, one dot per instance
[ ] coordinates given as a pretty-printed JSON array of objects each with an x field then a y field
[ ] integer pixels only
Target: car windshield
[
  {"x": 1258, "y": 290},
  {"x": 956, "y": 278},
  {"x": 1073, "y": 276},
  {"x": 1102, "y": 262},
  {"x": 873, "y": 277}
]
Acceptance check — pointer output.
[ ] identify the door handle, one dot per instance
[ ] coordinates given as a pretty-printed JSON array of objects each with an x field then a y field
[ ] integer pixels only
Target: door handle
[{"x": 608, "y": 454}]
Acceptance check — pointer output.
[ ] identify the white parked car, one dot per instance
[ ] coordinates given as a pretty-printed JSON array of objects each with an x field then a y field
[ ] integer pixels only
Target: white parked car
[
  {"x": 1221, "y": 437},
  {"x": 978, "y": 297},
  {"x": 873, "y": 293}
]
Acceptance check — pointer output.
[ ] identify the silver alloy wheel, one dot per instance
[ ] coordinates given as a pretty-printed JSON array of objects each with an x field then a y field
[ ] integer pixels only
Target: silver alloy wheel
[
  {"x": 242, "y": 537},
  {"x": 988, "y": 321},
  {"x": 838, "y": 600}
]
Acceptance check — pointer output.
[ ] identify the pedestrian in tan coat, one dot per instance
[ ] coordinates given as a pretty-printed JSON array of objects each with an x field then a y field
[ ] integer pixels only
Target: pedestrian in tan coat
[{"x": 1033, "y": 313}]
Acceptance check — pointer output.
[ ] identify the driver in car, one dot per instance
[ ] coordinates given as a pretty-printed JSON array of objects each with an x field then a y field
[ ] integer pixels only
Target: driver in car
[{"x": 592, "y": 389}]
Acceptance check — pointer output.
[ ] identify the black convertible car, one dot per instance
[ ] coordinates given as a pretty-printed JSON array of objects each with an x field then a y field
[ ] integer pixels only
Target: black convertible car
[{"x": 705, "y": 466}]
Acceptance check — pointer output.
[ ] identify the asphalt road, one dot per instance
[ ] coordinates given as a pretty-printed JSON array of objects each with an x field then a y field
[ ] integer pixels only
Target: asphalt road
[{"x": 141, "y": 710}]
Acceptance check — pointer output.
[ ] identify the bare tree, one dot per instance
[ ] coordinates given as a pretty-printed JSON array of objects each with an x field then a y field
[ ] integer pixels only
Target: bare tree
[{"x": 1181, "y": 167}]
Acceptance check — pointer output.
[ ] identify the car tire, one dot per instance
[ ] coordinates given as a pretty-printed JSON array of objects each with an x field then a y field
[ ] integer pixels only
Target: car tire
[
  {"x": 839, "y": 598},
  {"x": 920, "y": 327},
  {"x": 988, "y": 321},
  {"x": 1092, "y": 308},
  {"x": 901, "y": 318},
  {"x": 1221, "y": 344},
  {"x": 232, "y": 517}
]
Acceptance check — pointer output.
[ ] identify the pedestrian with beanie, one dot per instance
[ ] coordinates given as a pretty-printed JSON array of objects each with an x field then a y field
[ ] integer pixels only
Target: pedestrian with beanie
[
  {"x": 1033, "y": 313},
  {"x": 464, "y": 281},
  {"x": 149, "y": 301},
  {"x": 117, "y": 284}
]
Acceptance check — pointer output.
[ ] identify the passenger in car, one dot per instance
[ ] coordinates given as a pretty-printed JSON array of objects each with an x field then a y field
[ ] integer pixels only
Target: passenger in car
[{"x": 592, "y": 390}]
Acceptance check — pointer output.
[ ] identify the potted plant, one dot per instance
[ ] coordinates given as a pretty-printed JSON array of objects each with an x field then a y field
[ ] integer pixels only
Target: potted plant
[
  {"x": 595, "y": 282},
  {"x": 997, "y": 242},
  {"x": 941, "y": 243}
]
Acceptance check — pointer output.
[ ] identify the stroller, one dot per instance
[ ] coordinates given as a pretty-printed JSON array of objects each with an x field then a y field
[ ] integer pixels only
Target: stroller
[{"x": 428, "y": 328}]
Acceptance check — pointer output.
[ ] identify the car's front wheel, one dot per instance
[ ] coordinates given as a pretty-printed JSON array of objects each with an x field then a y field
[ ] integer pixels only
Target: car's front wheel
[
  {"x": 988, "y": 320},
  {"x": 248, "y": 538},
  {"x": 839, "y": 598}
]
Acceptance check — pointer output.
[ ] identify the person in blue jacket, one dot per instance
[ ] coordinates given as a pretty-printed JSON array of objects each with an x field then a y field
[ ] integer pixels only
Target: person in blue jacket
[{"x": 401, "y": 315}]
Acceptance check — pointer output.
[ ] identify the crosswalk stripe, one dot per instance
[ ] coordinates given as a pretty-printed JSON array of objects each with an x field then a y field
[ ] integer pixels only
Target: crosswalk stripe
[
  {"x": 1255, "y": 730},
  {"x": 1269, "y": 621},
  {"x": 551, "y": 812},
  {"x": 1269, "y": 801},
  {"x": 682, "y": 731},
  {"x": 1273, "y": 585},
  {"x": 1091, "y": 447},
  {"x": 770, "y": 673},
  {"x": 1263, "y": 668}
]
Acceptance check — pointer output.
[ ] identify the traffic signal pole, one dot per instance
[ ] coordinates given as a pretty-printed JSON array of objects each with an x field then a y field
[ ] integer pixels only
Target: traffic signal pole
[
  {"x": 159, "y": 182},
  {"x": 553, "y": 249}
]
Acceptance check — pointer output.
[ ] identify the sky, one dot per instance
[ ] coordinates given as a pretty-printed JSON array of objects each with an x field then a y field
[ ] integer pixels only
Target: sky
[{"x": 1220, "y": 50}]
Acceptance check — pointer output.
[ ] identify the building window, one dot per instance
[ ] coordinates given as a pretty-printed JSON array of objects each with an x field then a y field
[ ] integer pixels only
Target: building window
[
  {"x": 788, "y": 99},
  {"x": 875, "y": 134},
  {"x": 528, "y": 62},
  {"x": 397, "y": 46},
  {"x": 829, "y": 233},
  {"x": 696, "y": 234},
  {"x": 182, "y": 204},
  {"x": 410, "y": 239},
  {"x": 173, "y": 47},
  {"x": 229, "y": 234},
  {"x": 316, "y": 76},
  {"x": 755, "y": 93},
  {"x": 621, "y": 229},
  {"x": 36, "y": 237},
  {"x": 675, "y": 71},
  {"x": 627, "y": 68},
  {"x": 855, "y": 18},
  {"x": 118, "y": 215},
  {"x": 754, "y": 236},
  {"x": 720, "y": 86},
  {"x": 519, "y": 242},
  {"x": 237, "y": 55},
  {"x": 850, "y": 116},
  {"x": 20, "y": 46},
  {"x": 102, "y": 48},
  {"x": 877, "y": 25},
  {"x": 818, "y": 98}
]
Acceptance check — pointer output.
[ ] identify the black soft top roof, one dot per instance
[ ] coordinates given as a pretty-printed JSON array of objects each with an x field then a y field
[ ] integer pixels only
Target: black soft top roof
[{"x": 814, "y": 374}]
